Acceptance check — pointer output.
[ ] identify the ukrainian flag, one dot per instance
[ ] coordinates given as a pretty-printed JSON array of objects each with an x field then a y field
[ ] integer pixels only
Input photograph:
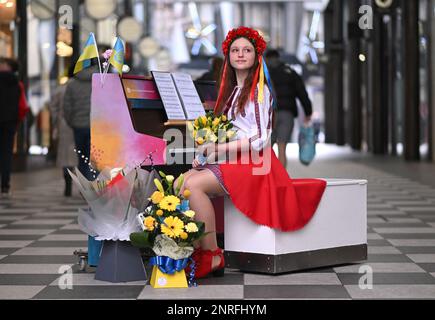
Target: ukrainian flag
[
  {"x": 90, "y": 51},
  {"x": 117, "y": 57}
]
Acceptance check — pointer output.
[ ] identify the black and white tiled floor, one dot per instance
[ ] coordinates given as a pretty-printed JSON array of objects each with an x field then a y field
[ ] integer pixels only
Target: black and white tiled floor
[{"x": 39, "y": 232}]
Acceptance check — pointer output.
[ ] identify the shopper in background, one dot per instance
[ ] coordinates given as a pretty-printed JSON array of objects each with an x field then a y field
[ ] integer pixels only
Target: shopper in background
[
  {"x": 64, "y": 135},
  {"x": 13, "y": 109},
  {"x": 288, "y": 86},
  {"x": 77, "y": 109}
]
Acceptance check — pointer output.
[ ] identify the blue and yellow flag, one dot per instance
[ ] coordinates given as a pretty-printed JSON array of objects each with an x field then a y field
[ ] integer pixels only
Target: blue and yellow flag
[
  {"x": 117, "y": 57},
  {"x": 90, "y": 51}
]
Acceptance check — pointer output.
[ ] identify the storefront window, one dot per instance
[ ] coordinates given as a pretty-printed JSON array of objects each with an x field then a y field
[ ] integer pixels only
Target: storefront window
[
  {"x": 425, "y": 90},
  {"x": 7, "y": 17}
]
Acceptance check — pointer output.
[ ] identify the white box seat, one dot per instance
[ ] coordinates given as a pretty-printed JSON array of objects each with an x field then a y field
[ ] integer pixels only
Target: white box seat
[{"x": 337, "y": 234}]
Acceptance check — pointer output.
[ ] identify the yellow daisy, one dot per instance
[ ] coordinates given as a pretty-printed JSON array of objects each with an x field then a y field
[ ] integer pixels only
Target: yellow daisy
[
  {"x": 169, "y": 203},
  {"x": 191, "y": 227},
  {"x": 172, "y": 227}
]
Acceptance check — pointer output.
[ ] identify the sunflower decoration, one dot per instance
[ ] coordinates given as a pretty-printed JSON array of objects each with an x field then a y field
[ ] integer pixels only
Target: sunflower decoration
[
  {"x": 211, "y": 128},
  {"x": 168, "y": 222}
]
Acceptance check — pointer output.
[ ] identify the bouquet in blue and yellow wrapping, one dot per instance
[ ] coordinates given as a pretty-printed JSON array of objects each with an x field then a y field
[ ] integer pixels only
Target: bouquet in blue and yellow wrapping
[{"x": 169, "y": 229}]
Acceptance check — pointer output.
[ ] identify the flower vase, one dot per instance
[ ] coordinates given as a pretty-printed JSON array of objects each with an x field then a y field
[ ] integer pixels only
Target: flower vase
[
  {"x": 161, "y": 280},
  {"x": 94, "y": 251}
]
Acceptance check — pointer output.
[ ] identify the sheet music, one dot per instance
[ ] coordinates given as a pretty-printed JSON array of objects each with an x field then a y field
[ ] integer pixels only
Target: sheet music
[
  {"x": 189, "y": 96},
  {"x": 169, "y": 95}
]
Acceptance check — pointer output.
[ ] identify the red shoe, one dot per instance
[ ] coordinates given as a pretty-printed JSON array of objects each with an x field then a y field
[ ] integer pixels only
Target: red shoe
[
  {"x": 204, "y": 264},
  {"x": 196, "y": 253}
]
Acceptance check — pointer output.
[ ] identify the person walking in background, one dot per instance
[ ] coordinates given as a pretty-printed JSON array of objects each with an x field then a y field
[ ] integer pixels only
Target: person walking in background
[
  {"x": 77, "y": 109},
  {"x": 23, "y": 106},
  {"x": 288, "y": 86},
  {"x": 66, "y": 157},
  {"x": 13, "y": 109}
]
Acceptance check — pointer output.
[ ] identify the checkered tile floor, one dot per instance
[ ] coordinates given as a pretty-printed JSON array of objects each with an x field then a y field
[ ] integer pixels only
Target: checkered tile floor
[{"x": 38, "y": 234}]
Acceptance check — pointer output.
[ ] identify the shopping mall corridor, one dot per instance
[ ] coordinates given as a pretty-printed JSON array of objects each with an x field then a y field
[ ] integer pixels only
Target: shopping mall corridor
[{"x": 39, "y": 232}]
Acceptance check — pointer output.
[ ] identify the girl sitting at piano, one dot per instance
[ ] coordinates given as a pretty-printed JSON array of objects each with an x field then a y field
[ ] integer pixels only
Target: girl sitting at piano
[{"x": 254, "y": 179}]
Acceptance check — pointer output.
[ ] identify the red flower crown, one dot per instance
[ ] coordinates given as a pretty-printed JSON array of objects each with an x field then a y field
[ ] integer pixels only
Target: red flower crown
[{"x": 244, "y": 32}]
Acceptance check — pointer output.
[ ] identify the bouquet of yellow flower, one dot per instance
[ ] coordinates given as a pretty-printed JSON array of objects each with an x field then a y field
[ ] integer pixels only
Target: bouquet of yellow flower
[
  {"x": 168, "y": 227},
  {"x": 211, "y": 129}
]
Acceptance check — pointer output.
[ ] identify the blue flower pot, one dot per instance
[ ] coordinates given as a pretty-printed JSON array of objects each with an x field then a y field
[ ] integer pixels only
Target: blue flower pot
[{"x": 94, "y": 251}]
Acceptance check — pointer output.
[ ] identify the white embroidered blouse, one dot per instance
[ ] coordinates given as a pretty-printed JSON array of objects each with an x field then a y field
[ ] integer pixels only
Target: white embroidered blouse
[{"x": 255, "y": 122}]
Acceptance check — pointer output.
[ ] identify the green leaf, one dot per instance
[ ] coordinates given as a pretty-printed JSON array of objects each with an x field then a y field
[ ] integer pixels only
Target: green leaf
[
  {"x": 140, "y": 239},
  {"x": 201, "y": 226}
]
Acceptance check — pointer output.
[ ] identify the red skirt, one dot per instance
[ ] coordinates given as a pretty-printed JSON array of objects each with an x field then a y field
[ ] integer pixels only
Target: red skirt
[{"x": 270, "y": 197}]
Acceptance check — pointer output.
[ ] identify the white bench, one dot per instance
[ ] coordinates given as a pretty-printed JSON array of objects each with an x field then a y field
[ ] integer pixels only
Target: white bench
[{"x": 337, "y": 234}]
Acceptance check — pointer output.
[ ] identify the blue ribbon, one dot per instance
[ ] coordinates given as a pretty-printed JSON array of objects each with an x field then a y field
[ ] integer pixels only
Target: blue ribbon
[
  {"x": 184, "y": 206},
  {"x": 269, "y": 83},
  {"x": 191, "y": 277},
  {"x": 168, "y": 265}
]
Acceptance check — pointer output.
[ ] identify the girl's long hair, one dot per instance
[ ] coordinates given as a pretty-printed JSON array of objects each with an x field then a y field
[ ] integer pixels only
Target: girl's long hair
[{"x": 230, "y": 82}]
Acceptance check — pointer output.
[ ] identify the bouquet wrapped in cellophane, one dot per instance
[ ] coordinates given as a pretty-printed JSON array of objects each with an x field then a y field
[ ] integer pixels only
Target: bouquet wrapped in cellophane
[
  {"x": 211, "y": 129},
  {"x": 115, "y": 198},
  {"x": 169, "y": 228}
]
